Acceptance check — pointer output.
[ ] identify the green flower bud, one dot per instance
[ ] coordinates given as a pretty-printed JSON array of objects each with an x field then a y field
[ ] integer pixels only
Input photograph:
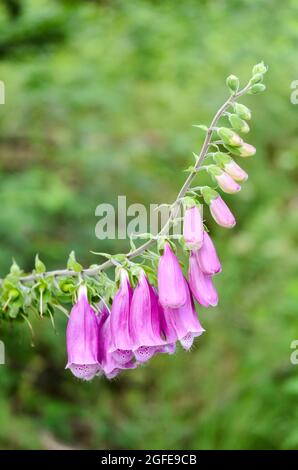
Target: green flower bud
[
  {"x": 259, "y": 68},
  {"x": 238, "y": 124},
  {"x": 242, "y": 111},
  {"x": 229, "y": 137},
  {"x": 233, "y": 83},
  {"x": 257, "y": 88},
  {"x": 257, "y": 78}
]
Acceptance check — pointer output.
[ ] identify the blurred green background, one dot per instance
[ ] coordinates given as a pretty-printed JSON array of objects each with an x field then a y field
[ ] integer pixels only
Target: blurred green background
[{"x": 100, "y": 98}]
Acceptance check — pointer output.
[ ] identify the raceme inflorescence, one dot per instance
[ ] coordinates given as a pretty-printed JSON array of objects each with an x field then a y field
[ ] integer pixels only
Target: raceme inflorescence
[{"x": 149, "y": 306}]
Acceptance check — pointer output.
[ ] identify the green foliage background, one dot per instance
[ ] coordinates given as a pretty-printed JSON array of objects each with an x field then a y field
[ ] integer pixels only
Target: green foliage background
[{"x": 100, "y": 98}]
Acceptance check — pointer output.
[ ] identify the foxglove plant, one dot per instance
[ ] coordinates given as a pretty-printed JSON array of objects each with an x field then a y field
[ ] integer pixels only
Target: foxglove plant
[{"x": 148, "y": 309}]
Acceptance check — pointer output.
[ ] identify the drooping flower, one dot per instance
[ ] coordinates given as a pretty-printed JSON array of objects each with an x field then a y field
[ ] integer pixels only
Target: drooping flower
[
  {"x": 182, "y": 324},
  {"x": 201, "y": 284},
  {"x": 145, "y": 322},
  {"x": 221, "y": 213},
  {"x": 171, "y": 288},
  {"x": 121, "y": 342},
  {"x": 226, "y": 183},
  {"x": 82, "y": 338},
  {"x": 207, "y": 257},
  {"x": 235, "y": 171},
  {"x": 108, "y": 361},
  {"x": 193, "y": 228}
]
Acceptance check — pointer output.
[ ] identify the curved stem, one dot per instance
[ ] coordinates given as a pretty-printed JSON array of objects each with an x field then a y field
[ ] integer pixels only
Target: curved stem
[{"x": 175, "y": 206}]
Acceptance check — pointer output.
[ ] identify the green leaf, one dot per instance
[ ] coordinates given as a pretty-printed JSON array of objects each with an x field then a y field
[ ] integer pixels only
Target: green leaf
[
  {"x": 104, "y": 255},
  {"x": 201, "y": 126}
]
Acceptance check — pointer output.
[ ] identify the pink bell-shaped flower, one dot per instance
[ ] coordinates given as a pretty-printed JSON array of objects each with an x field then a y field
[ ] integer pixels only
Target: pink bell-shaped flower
[
  {"x": 82, "y": 338},
  {"x": 145, "y": 325},
  {"x": 110, "y": 366},
  {"x": 226, "y": 183},
  {"x": 193, "y": 228},
  {"x": 201, "y": 284},
  {"x": 207, "y": 257},
  {"x": 221, "y": 213},
  {"x": 121, "y": 343},
  {"x": 171, "y": 288},
  {"x": 235, "y": 171},
  {"x": 182, "y": 324}
]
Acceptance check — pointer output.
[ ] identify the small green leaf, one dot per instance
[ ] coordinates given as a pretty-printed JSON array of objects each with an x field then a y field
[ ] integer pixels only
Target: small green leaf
[
  {"x": 190, "y": 169},
  {"x": 201, "y": 126},
  {"x": 104, "y": 255}
]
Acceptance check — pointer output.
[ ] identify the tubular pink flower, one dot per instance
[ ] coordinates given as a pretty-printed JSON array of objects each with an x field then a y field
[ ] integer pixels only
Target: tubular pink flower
[
  {"x": 235, "y": 171},
  {"x": 221, "y": 213},
  {"x": 227, "y": 184},
  {"x": 201, "y": 284},
  {"x": 82, "y": 338},
  {"x": 182, "y": 324},
  {"x": 193, "y": 228},
  {"x": 207, "y": 257},
  {"x": 144, "y": 321},
  {"x": 108, "y": 361},
  {"x": 121, "y": 343},
  {"x": 171, "y": 288}
]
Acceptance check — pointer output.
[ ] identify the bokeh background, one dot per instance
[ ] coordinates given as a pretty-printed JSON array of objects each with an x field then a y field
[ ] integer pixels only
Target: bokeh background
[{"x": 100, "y": 98}]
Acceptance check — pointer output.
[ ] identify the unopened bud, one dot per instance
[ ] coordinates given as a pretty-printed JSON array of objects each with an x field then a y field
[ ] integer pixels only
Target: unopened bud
[
  {"x": 235, "y": 171},
  {"x": 257, "y": 88},
  {"x": 238, "y": 124},
  {"x": 229, "y": 137},
  {"x": 259, "y": 68},
  {"x": 233, "y": 82},
  {"x": 247, "y": 150},
  {"x": 242, "y": 111},
  {"x": 257, "y": 78}
]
